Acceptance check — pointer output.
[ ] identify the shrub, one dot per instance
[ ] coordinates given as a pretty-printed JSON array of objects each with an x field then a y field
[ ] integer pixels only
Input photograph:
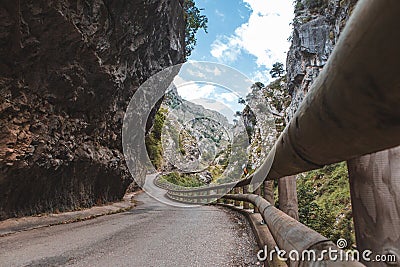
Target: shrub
[
  {"x": 324, "y": 202},
  {"x": 182, "y": 179}
]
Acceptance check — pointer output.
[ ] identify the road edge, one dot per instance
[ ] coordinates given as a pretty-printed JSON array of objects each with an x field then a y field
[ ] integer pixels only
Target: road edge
[{"x": 16, "y": 225}]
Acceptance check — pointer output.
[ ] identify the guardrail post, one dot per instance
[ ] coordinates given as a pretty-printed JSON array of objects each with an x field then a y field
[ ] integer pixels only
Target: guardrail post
[
  {"x": 237, "y": 191},
  {"x": 246, "y": 191},
  {"x": 220, "y": 200},
  {"x": 230, "y": 201},
  {"x": 258, "y": 193},
  {"x": 373, "y": 179},
  {"x": 226, "y": 201},
  {"x": 288, "y": 196},
  {"x": 251, "y": 191},
  {"x": 196, "y": 200},
  {"x": 269, "y": 192}
]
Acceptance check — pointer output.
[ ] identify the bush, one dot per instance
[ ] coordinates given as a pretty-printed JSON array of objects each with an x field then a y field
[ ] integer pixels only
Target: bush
[
  {"x": 298, "y": 6},
  {"x": 153, "y": 139},
  {"x": 184, "y": 180},
  {"x": 324, "y": 202}
]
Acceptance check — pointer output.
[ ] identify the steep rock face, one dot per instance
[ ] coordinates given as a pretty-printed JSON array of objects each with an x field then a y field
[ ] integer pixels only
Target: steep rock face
[
  {"x": 260, "y": 125},
  {"x": 196, "y": 139},
  {"x": 317, "y": 27},
  {"x": 264, "y": 117},
  {"x": 68, "y": 71}
]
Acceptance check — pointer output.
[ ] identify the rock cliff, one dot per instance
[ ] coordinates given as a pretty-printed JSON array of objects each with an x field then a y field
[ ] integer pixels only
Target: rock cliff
[
  {"x": 264, "y": 118},
  {"x": 68, "y": 70},
  {"x": 316, "y": 28}
]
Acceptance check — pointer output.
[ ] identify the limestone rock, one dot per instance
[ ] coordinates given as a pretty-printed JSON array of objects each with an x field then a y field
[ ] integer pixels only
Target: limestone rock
[{"x": 316, "y": 31}]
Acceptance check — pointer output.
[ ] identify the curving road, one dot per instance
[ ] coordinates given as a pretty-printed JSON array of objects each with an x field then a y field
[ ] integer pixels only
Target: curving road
[
  {"x": 152, "y": 234},
  {"x": 159, "y": 193}
]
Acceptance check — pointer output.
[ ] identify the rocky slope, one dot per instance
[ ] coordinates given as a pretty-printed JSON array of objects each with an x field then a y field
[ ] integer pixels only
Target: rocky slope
[
  {"x": 67, "y": 72},
  {"x": 264, "y": 118},
  {"x": 195, "y": 139}
]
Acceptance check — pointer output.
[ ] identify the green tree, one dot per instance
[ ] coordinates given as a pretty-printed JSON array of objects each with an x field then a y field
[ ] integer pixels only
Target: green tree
[
  {"x": 277, "y": 70},
  {"x": 194, "y": 21}
]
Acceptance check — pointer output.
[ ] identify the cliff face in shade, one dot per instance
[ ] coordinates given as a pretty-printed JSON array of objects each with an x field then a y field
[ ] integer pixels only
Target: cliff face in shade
[
  {"x": 67, "y": 72},
  {"x": 317, "y": 27}
]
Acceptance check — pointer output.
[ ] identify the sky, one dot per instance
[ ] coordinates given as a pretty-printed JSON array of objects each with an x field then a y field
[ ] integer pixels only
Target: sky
[
  {"x": 214, "y": 86},
  {"x": 247, "y": 35}
]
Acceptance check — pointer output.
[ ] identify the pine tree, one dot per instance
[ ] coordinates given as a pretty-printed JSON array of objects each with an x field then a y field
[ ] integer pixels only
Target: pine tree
[{"x": 277, "y": 70}]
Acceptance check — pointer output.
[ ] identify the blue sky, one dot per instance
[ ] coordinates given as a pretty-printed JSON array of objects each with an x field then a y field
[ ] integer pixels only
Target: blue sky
[{"x": 247, "y": 35}]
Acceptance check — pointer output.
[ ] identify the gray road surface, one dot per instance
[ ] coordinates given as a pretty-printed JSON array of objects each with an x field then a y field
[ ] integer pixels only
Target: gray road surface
[{"x": 152, "y": 234}]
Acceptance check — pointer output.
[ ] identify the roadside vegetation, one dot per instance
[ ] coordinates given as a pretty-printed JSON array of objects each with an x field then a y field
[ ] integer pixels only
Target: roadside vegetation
[
  {"x": 181, "y": 179},
  {"x": 153, "y": 139},
  {"x": 324, "y": 202}
]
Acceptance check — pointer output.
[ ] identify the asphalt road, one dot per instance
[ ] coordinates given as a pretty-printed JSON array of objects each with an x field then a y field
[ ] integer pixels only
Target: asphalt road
[{"x": 152, "y": 234}]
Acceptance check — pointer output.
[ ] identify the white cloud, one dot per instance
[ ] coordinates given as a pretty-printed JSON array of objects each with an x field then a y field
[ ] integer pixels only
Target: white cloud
[
  {"x": 194, "y": 91},
  {"x": 226, "y": 49},
  {"x": 197, "y": 74},
  {"x": 208, "y": 69},
  {"x": 263, "y": 36},
  {"x": 209, "y": 96},
  {"x": 217, "y": 72},
  {"x": 228, "y": 97},
  {"x": 261, "y": 76}
]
